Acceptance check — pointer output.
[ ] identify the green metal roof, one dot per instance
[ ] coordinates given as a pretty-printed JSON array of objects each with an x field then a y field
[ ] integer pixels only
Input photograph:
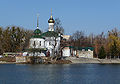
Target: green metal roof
[
  {"x": 80, "y": 48},
  {"x": 49, "y": 34},
  {"x": 37, "y": 31},
  {"x": 36, "y": 36}
]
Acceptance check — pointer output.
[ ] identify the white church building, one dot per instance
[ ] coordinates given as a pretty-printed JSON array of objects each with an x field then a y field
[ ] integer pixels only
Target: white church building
[{"x": 47, "y": 42}]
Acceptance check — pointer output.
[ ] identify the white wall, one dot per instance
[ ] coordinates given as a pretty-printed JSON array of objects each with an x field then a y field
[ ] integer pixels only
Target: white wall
[
  {"x": 66, "y": 52},
  {"x": 85, "y": 54},
  {"x": 37, "y": 43},
  {"x": 48, "y": 43},
  {"x": 51, "y": 27}
]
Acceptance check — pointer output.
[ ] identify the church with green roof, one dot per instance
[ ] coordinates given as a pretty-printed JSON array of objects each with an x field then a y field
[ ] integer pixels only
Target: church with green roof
[{"x": 47, "y": 42}]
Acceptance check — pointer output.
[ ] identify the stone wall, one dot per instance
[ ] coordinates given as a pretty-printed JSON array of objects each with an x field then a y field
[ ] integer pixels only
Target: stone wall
[
  {"x": 21, "y": 59},
  {"x": 85, "y": 54}
]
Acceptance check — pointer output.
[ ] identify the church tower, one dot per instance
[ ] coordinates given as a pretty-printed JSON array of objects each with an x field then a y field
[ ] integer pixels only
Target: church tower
[
  {"x": 37, "y": 21},
  {"x": 51, "y": 23},
  {"x": 37, "y": 31}
]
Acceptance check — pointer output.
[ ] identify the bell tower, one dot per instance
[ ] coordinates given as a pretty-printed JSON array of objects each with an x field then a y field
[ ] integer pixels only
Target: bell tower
[
  {"x": 37, "y": 21},
  {"x": 51, "y": 23}
]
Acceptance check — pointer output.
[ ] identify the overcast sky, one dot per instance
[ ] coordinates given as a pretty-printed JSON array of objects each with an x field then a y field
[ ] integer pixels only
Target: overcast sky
[{"x": 90, "y": 16}]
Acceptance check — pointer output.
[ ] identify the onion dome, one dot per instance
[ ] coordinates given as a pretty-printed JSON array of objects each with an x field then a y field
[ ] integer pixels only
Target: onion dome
[
  {"x": 51, "y": 20},
  {"x": 37, "y": 32}
]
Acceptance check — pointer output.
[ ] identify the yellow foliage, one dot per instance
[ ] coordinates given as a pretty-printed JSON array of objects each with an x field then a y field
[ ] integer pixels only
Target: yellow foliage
[{"x": 112, "y": 38}]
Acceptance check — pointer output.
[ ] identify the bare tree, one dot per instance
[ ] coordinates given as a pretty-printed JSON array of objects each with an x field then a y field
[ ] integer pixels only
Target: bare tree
[{"x": 58, "y": 26}]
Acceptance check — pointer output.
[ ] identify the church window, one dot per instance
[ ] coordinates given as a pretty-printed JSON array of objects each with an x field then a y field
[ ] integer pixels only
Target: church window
[
  {"x": 49, "y": 43},
  {"x": 44, "y": 43},
  {"x": 34, "y": 44},
  {"x": 40, "y": 43}
]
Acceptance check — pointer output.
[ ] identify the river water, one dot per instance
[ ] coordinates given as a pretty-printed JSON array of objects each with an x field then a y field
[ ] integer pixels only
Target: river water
[{"x": 60, "y": 74}]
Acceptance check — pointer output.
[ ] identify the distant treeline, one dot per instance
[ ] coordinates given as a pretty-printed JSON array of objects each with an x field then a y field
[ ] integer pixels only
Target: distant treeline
[
  {"x": 14, "y": 39},
  {"x": 106, "y": 45}
]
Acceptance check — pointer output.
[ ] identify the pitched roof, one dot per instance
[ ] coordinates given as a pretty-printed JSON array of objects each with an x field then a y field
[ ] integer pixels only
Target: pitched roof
[
  {"x": 36, "y": 36},
  {"x": 46, "y": 34},
  {"x": 49, "y": 34},
  {"x": 80, "y": 48}
]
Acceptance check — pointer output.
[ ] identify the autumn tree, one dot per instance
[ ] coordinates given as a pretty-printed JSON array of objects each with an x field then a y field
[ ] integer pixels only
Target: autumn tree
[
  {"x": 99, "y": 41},
  {"x": 114, "y": 43}
]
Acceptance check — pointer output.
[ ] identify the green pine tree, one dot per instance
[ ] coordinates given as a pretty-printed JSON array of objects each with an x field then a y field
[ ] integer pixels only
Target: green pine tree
[{"x": 102, "y": 53}]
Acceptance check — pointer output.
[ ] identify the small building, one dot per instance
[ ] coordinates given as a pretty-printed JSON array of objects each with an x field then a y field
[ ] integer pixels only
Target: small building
[
  {"x": 66, "y": 37},
  {"x": 85, "y": 52},
  {"x": 66, "y": 52}
]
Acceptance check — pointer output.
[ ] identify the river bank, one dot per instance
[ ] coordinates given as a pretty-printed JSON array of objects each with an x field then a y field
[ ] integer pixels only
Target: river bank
[
  {"x": 68, "y": 60},
  {"x": 93, "y": 60}
]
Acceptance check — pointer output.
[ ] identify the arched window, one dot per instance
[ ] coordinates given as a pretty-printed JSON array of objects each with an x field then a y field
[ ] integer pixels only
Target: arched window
[
  {"x": 50, "y": 43},
  {"x": 34, "y": 44},
  {"x": 40, "y": 43},
  {"x": 44, "y": 43}
]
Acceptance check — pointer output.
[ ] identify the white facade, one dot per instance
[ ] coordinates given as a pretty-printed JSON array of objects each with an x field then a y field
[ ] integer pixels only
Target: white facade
[
  {"x": 85, "y": 54},
  {"x": 37, "y": 43},
  {"x": 66, "y": 52},
  {"x": 48, "y": 43},
  {"x": 51, "y": 27}
]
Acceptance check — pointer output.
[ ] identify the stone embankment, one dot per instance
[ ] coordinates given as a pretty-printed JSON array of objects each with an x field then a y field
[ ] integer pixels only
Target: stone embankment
[
  {"x": 68, "y": 60},
  {"x": 93, "y": 60}
]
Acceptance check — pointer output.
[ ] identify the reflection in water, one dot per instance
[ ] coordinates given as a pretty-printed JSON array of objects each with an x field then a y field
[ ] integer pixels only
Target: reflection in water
[{"x": 59, "y": 74}]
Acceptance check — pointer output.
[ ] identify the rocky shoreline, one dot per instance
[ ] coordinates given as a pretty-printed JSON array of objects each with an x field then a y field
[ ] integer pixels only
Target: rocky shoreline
[
  {"x": 93, "y": 60},
  {"x": 72, "y": 60}
]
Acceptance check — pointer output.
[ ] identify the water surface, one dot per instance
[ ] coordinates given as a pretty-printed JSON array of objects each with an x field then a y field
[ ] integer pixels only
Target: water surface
[{"x": 60, "y": 74}]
